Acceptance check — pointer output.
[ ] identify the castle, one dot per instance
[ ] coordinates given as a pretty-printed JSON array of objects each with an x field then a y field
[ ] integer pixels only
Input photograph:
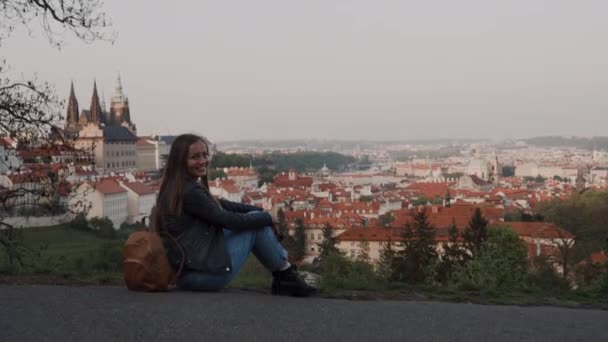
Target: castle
[{"x": 111, "y": 136}]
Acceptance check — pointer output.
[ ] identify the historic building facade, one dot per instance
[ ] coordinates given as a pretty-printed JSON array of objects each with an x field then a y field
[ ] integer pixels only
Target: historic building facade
[{"x": 110, "y": 136}]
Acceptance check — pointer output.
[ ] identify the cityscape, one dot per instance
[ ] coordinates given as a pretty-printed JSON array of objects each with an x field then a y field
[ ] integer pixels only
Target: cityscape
[
  {"x": 314, "y": 171},
  {"x": 119, "y": 179}
]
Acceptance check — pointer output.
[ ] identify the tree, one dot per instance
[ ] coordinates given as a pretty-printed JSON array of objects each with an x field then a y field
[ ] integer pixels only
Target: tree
[
  {"x": 29, "y": 109},
  {"x": 386, "y": 219},
  {"x": 453, "y": 254},
  {"x": 328, "y": 245},
  {"x": 501, "y": 263},
  {"x": 217, "y": 173},
  {"x": 476, "y": 233},
  {"x": 363, "y": 251},
  {"x": 300, "y": 240},
  {"x": 366, "y": 199},
  {"x": 420, "y": 251},
  {"x": 103, "y": 226},
  {"x": 386, "y": 263},
  {"x": 565, "y": 255},
  {"x": 282, "y": 223}
]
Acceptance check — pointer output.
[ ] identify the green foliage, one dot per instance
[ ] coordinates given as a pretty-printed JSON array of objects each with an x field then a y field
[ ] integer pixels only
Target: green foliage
[
  {"x": 584, "y": 215},
  {"x": 108, "y": 257},
  {"x": 386, "y": 219},
  {"x": 266, "y": 174},
  {"x": 363, "y": 251},
  {"x": 217, "y": 173},
  {"x": 537, "y": 179},
  {"x": 11, "y": 240},
  {"x": 103, "y": 227},
  {"x": 299, "y": 238},
  {"x": 282, "y": 224},
  {"x": 338, "y": 272},
  {"x": 521, "y": 216},
  {"x": 130, "y": 227},
  {"x": 544, "y": 277},
  {"x": 328, "y": 245},
  {"x": 222, "y": 160},
  {"x": 476, "y": 233},
  {"x": 62, "y": 251},
  {"x": 79, "y": 222},
  {"x": 366, "y": 199},
  {"x": 501, "y": 263},
  {"x": 304, "y": 161},
  {"x": 420, "y": 253},
  {"x": 421, "y": 201},
  {"x": 387, "y": 263},
  {"x": 508, "y": 171},
  {"x": 453, "y": 255}
]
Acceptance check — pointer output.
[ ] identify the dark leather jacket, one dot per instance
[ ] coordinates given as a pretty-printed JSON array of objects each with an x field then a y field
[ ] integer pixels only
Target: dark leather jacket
[{"x": 199, "y": 230}]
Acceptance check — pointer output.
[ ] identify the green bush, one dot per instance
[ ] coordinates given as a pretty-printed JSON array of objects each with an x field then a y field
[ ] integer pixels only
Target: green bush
[
  {"x": 104, "y": 227},
  {"x": 337, "y": 272},
  {"x": 545, "y": 278},
  {"x": 79, "y": 222},
  {"x": 500, "y": 264}
]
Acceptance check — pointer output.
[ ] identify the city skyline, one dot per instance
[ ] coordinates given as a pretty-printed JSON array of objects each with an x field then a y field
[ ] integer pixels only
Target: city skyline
[{"x": 345, "y": 71}]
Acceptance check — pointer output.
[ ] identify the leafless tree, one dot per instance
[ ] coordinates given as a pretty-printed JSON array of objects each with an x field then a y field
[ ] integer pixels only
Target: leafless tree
[{"x": 29, "y": 109}]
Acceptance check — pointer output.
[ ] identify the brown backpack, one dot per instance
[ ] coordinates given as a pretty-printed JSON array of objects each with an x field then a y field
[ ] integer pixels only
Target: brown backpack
[{"x": 145, "y": 265}]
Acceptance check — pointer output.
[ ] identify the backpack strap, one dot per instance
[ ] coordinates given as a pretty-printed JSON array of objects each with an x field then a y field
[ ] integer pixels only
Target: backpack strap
[
  {"x": 181, "y": 266},
  {"x": 160, "y": 233}
]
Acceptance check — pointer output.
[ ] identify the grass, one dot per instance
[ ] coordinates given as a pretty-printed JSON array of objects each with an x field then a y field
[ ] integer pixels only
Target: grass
[
  {"x": 64, "y": 253},
  {"x": 61, "y": 255}
]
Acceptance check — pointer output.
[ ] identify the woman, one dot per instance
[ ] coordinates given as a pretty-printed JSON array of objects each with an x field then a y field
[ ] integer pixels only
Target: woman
[{"x": 216, "y": 235}]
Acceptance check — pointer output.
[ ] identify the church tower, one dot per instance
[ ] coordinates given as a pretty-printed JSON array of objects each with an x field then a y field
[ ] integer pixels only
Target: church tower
[
  {"x": 119, "y": 109},
  {"x": 96, "y": 114},
  {"x": 496, "y": 171},
  {"x": 72, "y": 113},
  {"x": 580, "y": 180}
]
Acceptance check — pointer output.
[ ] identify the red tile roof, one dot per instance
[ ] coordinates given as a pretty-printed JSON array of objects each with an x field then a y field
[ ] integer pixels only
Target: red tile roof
[
  {"x": 139, "y": 188},
  {"x": 108, "y": 186}
]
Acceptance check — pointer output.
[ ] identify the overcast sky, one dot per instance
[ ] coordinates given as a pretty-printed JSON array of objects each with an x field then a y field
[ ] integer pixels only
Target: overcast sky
[{"x": 343, "y": 69}]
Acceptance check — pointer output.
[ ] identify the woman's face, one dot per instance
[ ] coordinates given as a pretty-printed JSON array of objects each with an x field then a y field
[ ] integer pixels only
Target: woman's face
[{"x": 198, "y": 160}]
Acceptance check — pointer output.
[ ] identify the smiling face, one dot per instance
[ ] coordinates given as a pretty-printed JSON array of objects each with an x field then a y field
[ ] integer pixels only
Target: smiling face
[{"x": 198, "y": 160}]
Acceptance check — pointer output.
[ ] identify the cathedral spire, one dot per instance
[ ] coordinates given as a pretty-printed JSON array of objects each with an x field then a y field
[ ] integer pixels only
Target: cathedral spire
[
  {"x": 96, "y": 114},
  {"x": 119, "y": 108},
  {"x": 72, "y": 113}
]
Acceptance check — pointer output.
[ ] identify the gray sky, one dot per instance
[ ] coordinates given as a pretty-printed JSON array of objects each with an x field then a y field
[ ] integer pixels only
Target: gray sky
[{"x": 343, "y": 69}]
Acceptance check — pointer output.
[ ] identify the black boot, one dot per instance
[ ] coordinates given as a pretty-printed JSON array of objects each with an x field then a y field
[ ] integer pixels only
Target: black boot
[{"x": 289, "y": 282}]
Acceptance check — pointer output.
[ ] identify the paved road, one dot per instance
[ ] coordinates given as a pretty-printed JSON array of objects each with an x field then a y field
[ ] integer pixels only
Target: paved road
[{"x": 60, "y": 313}]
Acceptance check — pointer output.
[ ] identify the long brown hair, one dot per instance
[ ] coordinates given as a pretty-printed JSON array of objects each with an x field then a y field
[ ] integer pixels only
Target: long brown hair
[{"x": 176, "y": 176}]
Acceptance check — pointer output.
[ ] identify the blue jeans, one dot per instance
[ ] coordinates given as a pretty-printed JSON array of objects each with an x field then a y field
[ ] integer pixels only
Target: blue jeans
[{"x": 262, "y": 242}]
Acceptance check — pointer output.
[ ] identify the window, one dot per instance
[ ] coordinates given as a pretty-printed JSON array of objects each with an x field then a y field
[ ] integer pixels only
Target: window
[
  {"x": 312, "y": 249},
  {"x": 312, "y": 236}
]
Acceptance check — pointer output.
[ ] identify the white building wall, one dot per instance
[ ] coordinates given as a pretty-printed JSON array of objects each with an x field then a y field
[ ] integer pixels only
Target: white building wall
[{"x": 116, "y": 208}]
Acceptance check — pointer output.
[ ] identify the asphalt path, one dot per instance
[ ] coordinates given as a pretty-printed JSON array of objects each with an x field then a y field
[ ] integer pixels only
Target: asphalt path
[{"x": 64, "y": 313}]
